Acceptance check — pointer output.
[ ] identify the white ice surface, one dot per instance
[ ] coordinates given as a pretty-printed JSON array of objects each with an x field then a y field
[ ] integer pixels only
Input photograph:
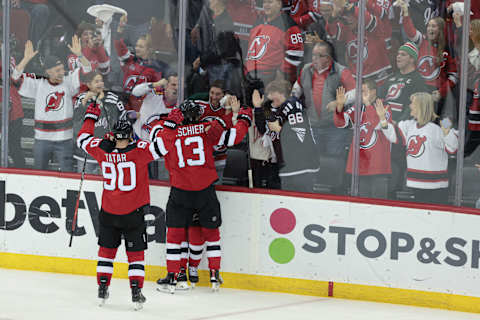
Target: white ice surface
[{"x": 49, "y": 296}]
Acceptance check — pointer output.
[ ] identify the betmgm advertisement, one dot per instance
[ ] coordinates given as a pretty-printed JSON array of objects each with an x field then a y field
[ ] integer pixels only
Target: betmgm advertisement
[{"x": 269, "y": 242}]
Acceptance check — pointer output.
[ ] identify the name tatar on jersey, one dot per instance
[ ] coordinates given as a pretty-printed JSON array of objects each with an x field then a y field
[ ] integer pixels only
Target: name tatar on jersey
[
  {"x": 115, "y": 157},
  {"x": 54, "y": 101},
  {"x": 191, "y": 130},
  {"x": 258, "y": 48}
]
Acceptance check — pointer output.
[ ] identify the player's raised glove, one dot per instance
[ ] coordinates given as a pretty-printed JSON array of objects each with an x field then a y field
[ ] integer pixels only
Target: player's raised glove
[
  {"x": 246, "y": 115},
  {"x": 93, "y": 112}
]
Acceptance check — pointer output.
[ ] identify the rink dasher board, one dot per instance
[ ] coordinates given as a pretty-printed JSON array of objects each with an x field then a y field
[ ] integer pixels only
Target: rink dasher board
[{"x": 344, "y": 249}]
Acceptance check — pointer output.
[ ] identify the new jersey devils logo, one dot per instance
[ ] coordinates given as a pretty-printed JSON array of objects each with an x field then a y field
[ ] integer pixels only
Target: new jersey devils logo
[
  {"x": 54, "y": 101},
  {"x": 416, "y": 146},
  {"x": 352, "y": 50},
  {"x": 132, "y": 81},
  {"x": 394, "y": 91},
  {"x": 428, "y": 68},
  {"x": 258, "y": 48},
  {"x": 368, "y": 136},
  {"x": 294, "y": 7}
]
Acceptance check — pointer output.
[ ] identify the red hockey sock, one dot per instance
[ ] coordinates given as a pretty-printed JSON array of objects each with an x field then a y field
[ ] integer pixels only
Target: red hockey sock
[
  {"x": 106, "y": 256},
  {"x": 183, "y": 254},
  {"x": 175, "y": 236},
  {"x": 136, "y": 266},
  {"x": 212, "y": 242},
  {"x": 195, "y": 244}
]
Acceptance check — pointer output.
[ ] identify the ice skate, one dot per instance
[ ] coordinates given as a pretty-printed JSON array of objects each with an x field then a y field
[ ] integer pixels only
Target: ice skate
[
  {"x": 103, "y": 291},
  {"x": 215, "y": 279},
  {"x": 182, "y": 283},
  {"x": 193, "y": 276},
  {"x": 168, "y": 284},
  {"x": 138, "y": 298}
]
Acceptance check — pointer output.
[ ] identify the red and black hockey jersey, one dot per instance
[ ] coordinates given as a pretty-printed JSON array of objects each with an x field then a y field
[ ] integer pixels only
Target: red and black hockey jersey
[
  {"x": 125, "y": 171},
  {"x": 427, "y": 154},
  {"x": 275, "y": 45},
  {"x": 376, "y": 62},
  {"x": 474, "y": 108},
  {"x": 440, "y": 73},
  {"x": 97, "y": 56},
  {"x": 188, "y": 150},
  {"x": 135, "y": 72},
  {"x": 375, "y": 142}
]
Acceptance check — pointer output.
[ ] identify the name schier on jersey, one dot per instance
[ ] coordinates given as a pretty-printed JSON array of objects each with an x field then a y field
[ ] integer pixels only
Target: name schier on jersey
[
  {"x": 258, "y": 48},
  {"x": 54, "y": 101},
  {"x": 416, "y": 146}
]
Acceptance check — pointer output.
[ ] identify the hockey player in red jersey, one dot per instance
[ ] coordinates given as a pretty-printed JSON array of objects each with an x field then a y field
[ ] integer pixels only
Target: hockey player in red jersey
[
  {"x": 187, "y": 146},
  {"x": 125, "y": 199}
]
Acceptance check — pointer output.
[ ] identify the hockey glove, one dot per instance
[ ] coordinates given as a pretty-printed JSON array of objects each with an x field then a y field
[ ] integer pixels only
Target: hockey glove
[
  {"x": 246, "y": 115},
  {"x": 93, "y": 112}
]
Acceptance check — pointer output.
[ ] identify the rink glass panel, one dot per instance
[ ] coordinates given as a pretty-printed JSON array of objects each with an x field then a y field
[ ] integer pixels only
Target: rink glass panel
[{"x": 332, "y": 177}]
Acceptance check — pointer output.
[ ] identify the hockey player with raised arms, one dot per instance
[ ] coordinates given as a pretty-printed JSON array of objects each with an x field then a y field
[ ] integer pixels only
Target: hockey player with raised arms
[
  {"x": 187, "y": 145},
  {"x": 125, "y": 199}
]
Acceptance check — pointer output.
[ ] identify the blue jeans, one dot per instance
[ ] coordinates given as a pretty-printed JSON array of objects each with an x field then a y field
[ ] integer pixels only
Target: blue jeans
[{"x": 45, "y": 150}]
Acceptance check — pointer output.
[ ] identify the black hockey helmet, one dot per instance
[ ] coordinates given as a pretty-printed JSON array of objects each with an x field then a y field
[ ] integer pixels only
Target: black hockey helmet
[
  {"x": 191, "y": 111},
  {"x": 122, "y": 130}
]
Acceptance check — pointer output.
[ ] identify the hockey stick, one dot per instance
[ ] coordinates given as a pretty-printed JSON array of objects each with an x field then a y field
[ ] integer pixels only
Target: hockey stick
[
  {"x": 77, "y": 203},
  {"x": 75, "y": 214}
]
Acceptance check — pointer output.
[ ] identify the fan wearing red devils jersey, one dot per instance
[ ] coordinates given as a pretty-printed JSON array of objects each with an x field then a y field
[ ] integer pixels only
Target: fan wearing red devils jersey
[
  {"x": 376, "y": 134},
  {"x": 342, "y": 26},
  {"x": 427, "y": 148},
  {"x": 188, "y": 151},
  {"x": 275, "y": 45},
  {"x": 303, "y": 12},
  {"x": 125, "y": 198},
  {"x": 435, "y": 61},
  {"x": 137, "y": 68}
]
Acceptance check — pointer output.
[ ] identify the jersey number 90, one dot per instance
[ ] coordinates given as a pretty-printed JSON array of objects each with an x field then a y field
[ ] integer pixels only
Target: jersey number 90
[{"x": 116, "y": 173}]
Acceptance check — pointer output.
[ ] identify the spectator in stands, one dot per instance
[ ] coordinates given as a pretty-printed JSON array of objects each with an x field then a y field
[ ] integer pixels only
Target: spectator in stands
[
  {"x": 275, "y": 48},
  {"x": 472, "y": 137},
  {"x": 213, "y": 19},
  {"x": 112, "y": 110},
  {"x": 92, "y": 49},
  {"x": 435, "y": 61},
  {"x": 15, "y": 120},
  {"x": 222, "y": 61},
  {"x": 137, "y": 68},
  {"x": 214, "y": 109},
  {"x": 398, "y": 88},
  {"x": 303, "y": 12},
  {"x": 293, "y": 143},
  {"x": 428, "y": 146},
  {"x": 376, "y": 135},
  {"x": 422, "y": 11},
  {"x": 317, "y": 83},
  {"x": 396, "y": 92},
  {"x": 39, "y": 17},
  {"x": 53, "y": 105},
  {"x": 342, "y": 26},
  {"x": 263, "y": 159}
]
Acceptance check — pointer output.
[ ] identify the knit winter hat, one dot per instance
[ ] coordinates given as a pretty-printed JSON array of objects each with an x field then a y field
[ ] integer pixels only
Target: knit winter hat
[
  {"x": 50, "y": 62},
  {"x": 410, "y": 48}
]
